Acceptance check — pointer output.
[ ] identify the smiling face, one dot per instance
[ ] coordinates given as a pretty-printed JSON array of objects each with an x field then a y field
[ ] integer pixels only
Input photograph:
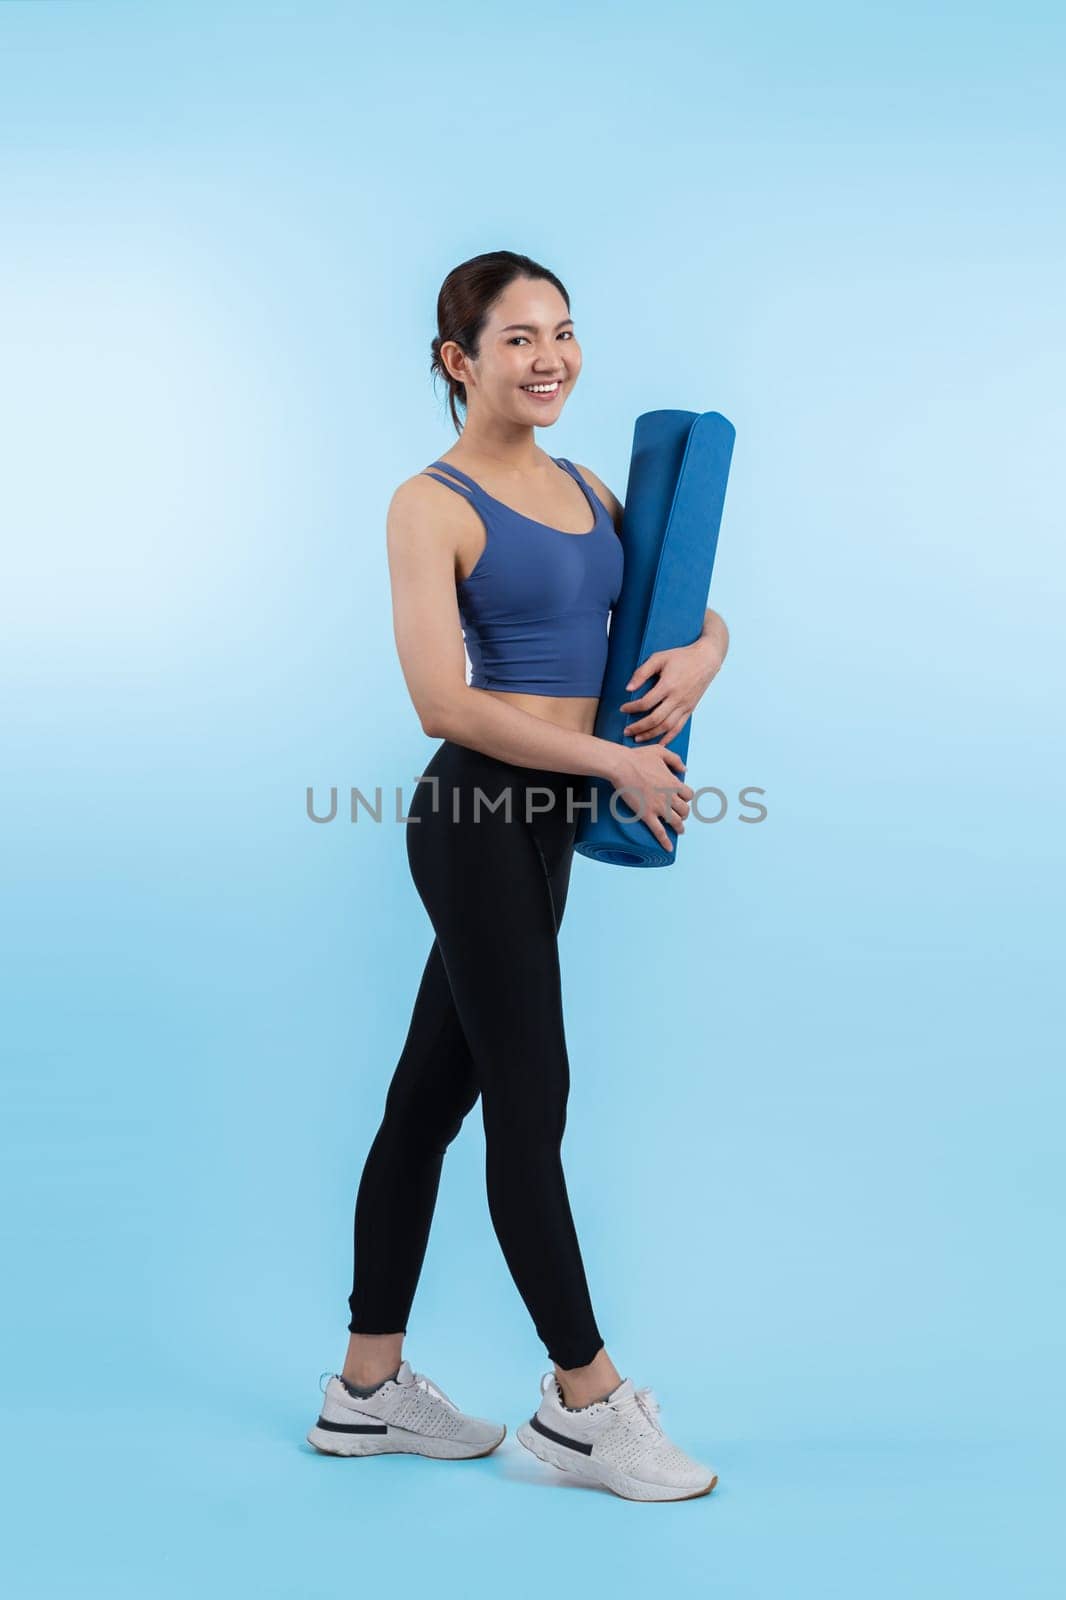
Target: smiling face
[{"x": 528, "y": 344}]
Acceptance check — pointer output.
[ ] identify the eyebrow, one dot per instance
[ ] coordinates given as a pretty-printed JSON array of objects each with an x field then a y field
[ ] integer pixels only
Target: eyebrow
[{"x": 531, "y": 327}]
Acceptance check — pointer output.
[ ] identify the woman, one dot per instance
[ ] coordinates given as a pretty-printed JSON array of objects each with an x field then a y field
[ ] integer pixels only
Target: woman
[{"x": 494, "y": 540}]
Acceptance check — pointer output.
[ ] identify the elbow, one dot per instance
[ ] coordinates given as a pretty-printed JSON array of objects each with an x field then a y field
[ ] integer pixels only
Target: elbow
[{"x": 437, "y": 718}]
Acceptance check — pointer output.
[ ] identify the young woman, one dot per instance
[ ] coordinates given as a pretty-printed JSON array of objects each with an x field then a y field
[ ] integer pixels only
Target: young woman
[{"x": 494, "y": 541}]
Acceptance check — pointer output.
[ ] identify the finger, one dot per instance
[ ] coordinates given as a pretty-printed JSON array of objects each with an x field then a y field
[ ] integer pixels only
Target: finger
[
  {"x": 645, "y": 670},
  {"x": 645, "y": 702},
  {"x": 657, "y": 718},
  {"x": 644, "y": 729},
  {"x": 641, "y": 675},
  {"x": 653, "y": 819},
  {"x": 660, "y": 833},
  {"x": 670, "y": 816},
  {"x": 672, "y": 820}
]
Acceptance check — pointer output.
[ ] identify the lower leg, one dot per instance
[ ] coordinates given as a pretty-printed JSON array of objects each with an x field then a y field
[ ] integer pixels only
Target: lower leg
[
  {"x": 432, "y": 1089},
  {"x": 594, "y": 1381},
  {"x": 372, "y": 1357}
]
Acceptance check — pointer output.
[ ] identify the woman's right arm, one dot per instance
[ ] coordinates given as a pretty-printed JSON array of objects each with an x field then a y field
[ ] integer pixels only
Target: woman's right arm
[{"x": 422, "y": 540}]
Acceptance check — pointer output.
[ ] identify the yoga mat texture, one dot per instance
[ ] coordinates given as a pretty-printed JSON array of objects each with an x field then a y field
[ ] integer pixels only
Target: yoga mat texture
[{"x": 678, "y": 471}]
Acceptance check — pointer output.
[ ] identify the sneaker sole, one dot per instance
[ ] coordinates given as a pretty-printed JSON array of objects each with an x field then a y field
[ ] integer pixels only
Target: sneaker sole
[
  {"x": 620, "y": 1483},
  {"x": 398, "y": 1441}
]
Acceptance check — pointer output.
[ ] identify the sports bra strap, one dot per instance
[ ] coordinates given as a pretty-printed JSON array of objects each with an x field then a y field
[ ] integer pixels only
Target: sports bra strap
[{"x": 437, "y": 467}]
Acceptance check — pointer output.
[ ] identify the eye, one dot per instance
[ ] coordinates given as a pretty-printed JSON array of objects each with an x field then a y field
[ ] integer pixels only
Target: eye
[{"x": 567, "y": 333}]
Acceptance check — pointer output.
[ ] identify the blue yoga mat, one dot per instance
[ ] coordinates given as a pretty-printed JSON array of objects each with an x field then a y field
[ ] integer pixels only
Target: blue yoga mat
[{"x": 678, "y": 471}]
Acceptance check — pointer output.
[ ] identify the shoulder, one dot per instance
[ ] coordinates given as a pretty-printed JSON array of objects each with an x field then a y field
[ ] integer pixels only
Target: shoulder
[
  {"x": 421, "y": 490},
  {"x": 597, "y": 485},
  {"x": 421, "y": 505}
]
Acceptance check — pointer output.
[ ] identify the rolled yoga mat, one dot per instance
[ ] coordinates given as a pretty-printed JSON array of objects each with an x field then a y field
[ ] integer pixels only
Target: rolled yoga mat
[{"x": 678, "y": 471}]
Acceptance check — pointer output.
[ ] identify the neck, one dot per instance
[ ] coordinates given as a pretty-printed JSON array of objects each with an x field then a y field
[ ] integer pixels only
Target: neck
[{"x": 511, "y": 447}]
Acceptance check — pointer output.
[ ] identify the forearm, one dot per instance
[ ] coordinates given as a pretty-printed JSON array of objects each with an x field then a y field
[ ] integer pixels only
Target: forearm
[
  {"x": 479, "y": 720},
  {"x": 715, "y": 634}
]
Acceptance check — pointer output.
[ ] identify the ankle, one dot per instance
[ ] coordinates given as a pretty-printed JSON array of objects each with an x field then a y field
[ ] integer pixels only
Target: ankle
[
  {"x": 362, "y": 1376},
  {"x": 582, "y": 1386},
  {"x": 361, "y": 1387},
  {"x": 572, "y": 1402},
  {"x": 371, "y": 1358}
]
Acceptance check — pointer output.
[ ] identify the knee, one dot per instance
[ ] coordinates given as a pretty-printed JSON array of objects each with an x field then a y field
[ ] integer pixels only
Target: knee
[
  {"x": 425, "y": 1120},
  {"x": 526, "y": 1135}
]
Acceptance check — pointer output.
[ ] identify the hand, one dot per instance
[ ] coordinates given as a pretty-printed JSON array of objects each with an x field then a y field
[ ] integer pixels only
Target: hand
[
  {"x": 650, "y": 783},
  {"x": 685, "y": 674}
]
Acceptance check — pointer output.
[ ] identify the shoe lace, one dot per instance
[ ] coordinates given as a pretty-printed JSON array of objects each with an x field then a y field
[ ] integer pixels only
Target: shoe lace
[
  {"x": 430, "y": 1387},
  {"x": 644, "y": 1406},
  {"x": 649, "y": 1404}
]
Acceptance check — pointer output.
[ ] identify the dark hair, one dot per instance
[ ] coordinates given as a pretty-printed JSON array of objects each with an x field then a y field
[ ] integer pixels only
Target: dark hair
[{"x": 463, "y": 304}]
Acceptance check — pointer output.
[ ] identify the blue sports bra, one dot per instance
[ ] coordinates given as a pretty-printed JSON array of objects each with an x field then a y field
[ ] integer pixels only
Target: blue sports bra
[{"x": 535, "y": 607}]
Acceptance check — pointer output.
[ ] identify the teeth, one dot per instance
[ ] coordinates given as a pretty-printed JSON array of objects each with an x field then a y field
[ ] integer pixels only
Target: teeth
[{"x": 541, "y": 388}]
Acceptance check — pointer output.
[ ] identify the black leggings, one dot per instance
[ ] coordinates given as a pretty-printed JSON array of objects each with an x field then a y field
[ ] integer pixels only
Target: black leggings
[{"x": 488, "y": 1020}]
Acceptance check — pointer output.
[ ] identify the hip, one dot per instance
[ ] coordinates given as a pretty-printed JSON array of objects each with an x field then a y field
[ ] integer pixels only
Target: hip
[{"x": 462, "y": 788}]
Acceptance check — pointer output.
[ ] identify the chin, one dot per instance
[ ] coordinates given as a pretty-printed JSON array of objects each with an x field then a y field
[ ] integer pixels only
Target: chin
[{"x": 545, "y": 414}]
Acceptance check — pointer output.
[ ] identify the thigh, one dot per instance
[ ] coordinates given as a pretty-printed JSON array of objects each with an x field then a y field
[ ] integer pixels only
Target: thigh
[
  {"x": 486, "y": 886},
  {"x": 555, "y": 830}
]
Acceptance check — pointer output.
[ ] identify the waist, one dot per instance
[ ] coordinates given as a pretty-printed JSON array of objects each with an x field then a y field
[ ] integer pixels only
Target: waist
[{"x": 573, "y": 711}]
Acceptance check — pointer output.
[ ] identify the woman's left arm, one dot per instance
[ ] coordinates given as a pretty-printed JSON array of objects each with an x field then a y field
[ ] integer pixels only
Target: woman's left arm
[{"x": 684, "y": 676}]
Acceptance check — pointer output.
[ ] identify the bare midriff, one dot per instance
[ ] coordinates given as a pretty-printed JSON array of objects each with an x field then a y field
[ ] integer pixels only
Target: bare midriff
[{"x": 577, "y": 712}]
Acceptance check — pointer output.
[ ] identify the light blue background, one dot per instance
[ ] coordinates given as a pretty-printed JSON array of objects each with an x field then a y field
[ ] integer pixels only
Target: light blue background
[{"x": 815, "y": 1142}]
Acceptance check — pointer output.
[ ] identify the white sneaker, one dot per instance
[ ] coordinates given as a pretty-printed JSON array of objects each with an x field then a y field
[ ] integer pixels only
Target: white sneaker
[
  {"x": 618, "y": 1442},
  {"x": 407, "y": 1413}
]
